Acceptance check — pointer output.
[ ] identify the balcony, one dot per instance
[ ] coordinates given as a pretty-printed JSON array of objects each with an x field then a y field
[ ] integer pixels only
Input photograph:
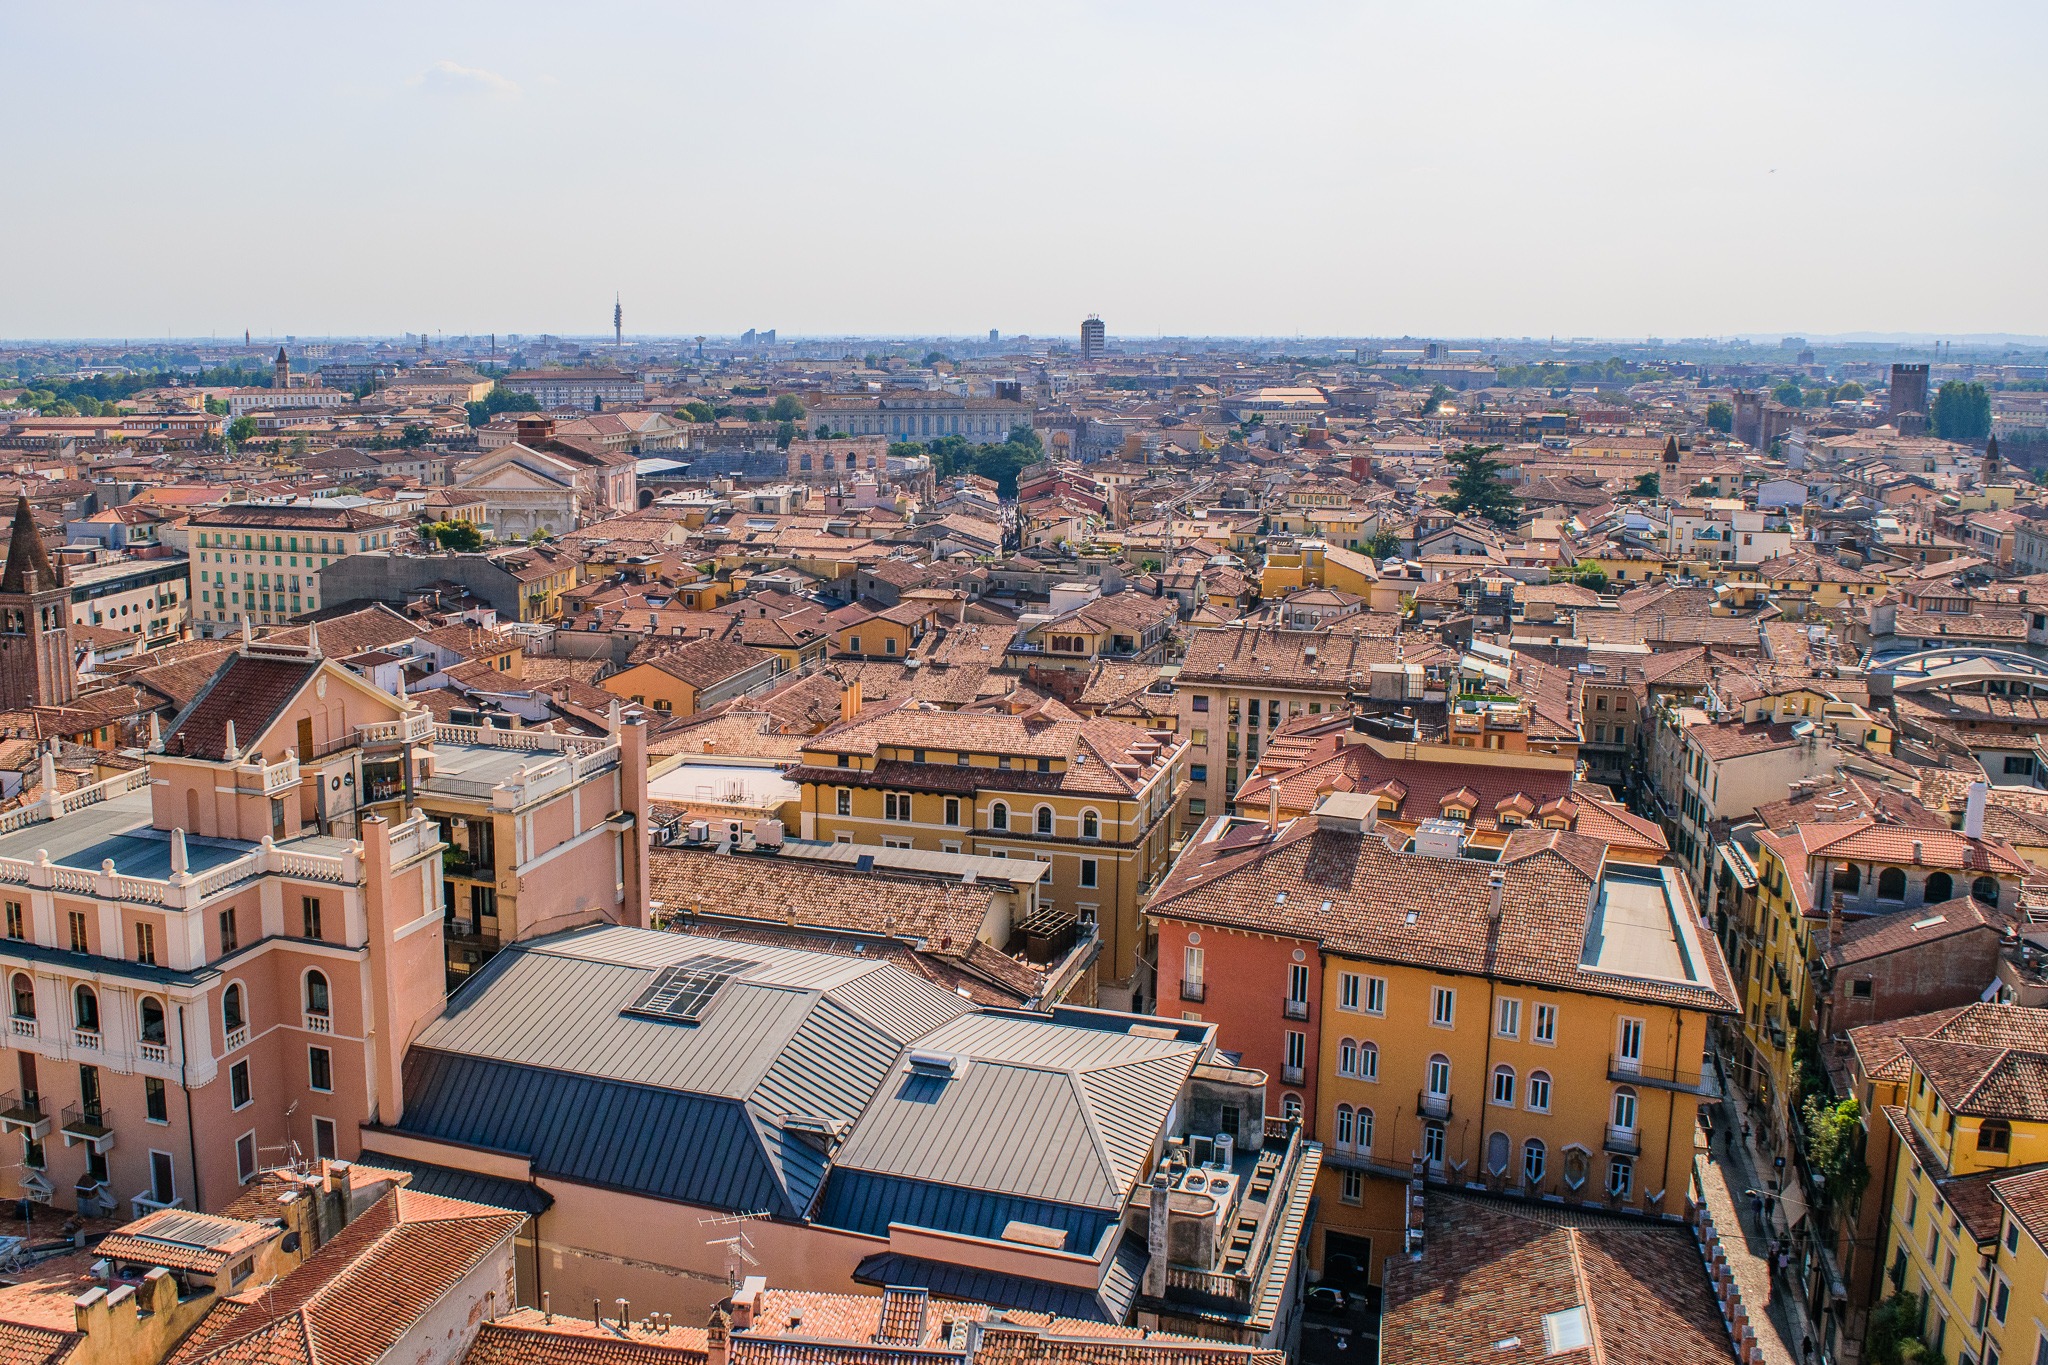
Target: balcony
[
  {"x": 1433, "y": 1104},
  {"x": 24, "y": 1114},
  {"x": 1295, "y": 1009},
  {"x": 159, "y": 1053},
  {"x": 319, "y": 1022},
  {"x": 144, "y": 1204},
  {"x": 23, "y": 1026},
  {"x": 237, "y": 1037},
  {"x": 1623, "y": 1141},
  {"x": 1194, "y": 990},
  {"x": 86, "y": 1039},
  {"x": 1292, "y": 1075},
  {"x": 1631, "y": 1071},
  {"x": 94, "y": 1126}
]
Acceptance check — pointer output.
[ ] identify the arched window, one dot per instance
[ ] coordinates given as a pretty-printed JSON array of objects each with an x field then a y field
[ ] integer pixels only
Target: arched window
[
  {"x": 1091, "y": 825},
  {"x": 1848, "y": 877},
  {"x": 1347, "y": 1058},
  {"x": 152, "y": 1017},
  {"x": 1539, "y": 1091},
  {"x": 1504, "y": 1090},
  {"x": 316, "y": 994},
  {"x": 1364, "y": 1143},
  {"x": 1891, "y": 884},
  {"x": 24, "y": 996},
  {"x": 1498, "y": 1152},
  {"x": 1532, "y": 1162},
  {"x": 1290, "y": 1107},
  {"x": 1343, "y": 1125},
  {"x": 1994, "y": 1135},
  {"x": 1940, "y": 887},
  {"x": 1045, "y": 819},
  {"x": 85, "y": 1009},
  {"x": 1624, "y": 1113},
  {"x": 1985, "y": 890},
  {"x": 1439, "y": 1075},
  {"x": 1368, "y": 1061},
  {"x": 232, "y": 1015},
  {"x": 999, "y": 816}
]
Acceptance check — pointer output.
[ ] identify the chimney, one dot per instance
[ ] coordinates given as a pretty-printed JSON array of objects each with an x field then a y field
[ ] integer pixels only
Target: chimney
[
  {"x": 1496, "y": 884},
  {"x": 1155, "y": 1237},
  {"x": 1835, "y": 904},
  {"x": 1973, "y": 811},
  {"x": 718, "y": 1339},
  {"x": 1273, "y": 805},
  {"x": 849, "y": 700}
]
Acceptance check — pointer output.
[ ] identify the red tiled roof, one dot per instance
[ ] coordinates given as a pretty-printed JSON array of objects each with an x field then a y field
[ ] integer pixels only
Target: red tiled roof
[{"x": 249, "y": 690}]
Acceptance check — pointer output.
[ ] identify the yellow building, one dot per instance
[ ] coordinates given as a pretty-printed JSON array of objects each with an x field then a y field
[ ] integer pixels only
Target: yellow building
[
  {"x": 1428, "y": 1002},
  {"x": 1317, "y": 564},
  {"x": 1873, "y": 869},
  {"x": 1969, "y": 1200},
  {"x": 1095, "y": 799},
  {"x": 684, "y": 678}
]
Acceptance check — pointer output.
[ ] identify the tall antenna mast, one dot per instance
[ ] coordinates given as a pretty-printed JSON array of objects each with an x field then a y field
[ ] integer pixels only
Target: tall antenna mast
[
  {"x": 739, "y": 1248},
  {"x": 618, "y": 322}
]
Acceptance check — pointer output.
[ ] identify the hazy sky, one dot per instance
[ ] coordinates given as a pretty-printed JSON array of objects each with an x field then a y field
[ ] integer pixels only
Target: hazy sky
[{"x": 1427, "y": 168}]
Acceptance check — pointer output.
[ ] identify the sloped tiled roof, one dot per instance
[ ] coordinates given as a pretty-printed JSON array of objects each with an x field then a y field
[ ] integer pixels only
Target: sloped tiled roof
[{"x": 357, "y": 1296}]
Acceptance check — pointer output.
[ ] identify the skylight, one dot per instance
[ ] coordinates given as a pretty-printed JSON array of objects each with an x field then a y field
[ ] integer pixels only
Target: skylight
[
  {"x": 683, "y": 992},
  {"x": 1565, "y": 1331}
]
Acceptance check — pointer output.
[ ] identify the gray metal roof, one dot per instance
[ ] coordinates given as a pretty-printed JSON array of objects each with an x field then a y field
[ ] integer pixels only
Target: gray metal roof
[
  {"x": 1036, "y": 1109},
  {"x": 1048, "y": 1119}
]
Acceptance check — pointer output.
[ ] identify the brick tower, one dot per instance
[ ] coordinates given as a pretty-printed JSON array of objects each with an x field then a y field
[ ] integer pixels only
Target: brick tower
[{"x": 35, "y": 608}]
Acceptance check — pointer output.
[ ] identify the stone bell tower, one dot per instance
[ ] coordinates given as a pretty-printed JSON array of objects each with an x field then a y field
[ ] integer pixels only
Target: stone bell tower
[{"x": 36, "y": 668}]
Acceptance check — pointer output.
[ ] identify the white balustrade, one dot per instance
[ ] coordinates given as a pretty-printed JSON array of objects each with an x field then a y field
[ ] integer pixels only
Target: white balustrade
[
  {"x": 23, "y": 1028},
  {"x": 319, "y": 1023},
  {"x": 237, "y": 1037},
  {"x": 154, "y": 1052},
  {"x": 86, "y": 1038}
]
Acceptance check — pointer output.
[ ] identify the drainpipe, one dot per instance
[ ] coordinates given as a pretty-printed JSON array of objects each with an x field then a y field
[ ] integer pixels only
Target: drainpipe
[{"x": 191, "y": 1140}]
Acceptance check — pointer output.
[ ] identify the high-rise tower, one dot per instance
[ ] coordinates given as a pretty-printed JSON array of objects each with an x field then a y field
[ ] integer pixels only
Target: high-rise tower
[
  {"x": 618, "y": 322},
  {"x": 283, "y": 367},
  {"x": 1094, "y": 339},
  {"x": 35, "y": 606}
]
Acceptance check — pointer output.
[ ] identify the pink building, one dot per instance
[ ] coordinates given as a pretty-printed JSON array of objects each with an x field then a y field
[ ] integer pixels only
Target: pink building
[{"x": 215, "y": 962}]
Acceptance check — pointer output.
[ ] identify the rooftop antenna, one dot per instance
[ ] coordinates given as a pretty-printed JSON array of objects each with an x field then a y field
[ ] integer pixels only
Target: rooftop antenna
[
  {"x": 739, "y": 1247},
  {"x": 618, "y": 322}
]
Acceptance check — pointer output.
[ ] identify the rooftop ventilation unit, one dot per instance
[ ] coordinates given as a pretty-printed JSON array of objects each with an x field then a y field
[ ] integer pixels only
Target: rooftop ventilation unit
[
  {"x": 681, "y": 993},
  {"x": 1440, "y": 838},
  {"x": 926, "y": 1062}
]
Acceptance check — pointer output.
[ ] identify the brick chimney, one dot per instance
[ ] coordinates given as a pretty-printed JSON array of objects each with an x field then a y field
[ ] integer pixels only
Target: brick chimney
[{"x": 532, "y": 429}]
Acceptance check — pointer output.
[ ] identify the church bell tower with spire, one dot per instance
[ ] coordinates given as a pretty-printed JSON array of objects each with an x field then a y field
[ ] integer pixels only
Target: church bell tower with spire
[
  {"x": 35, "y": 610},
  {"x": 284, "y": 370}
]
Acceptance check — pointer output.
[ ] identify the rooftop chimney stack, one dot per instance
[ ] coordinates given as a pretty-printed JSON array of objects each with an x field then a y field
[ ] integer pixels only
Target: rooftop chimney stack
[
  {"x": 1496, "y": 885},
  {"x": 1973, "y": 811}
]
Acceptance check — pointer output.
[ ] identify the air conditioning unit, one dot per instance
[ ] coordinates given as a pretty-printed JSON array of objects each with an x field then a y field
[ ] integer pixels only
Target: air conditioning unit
[{"x": 462, "y": 928}]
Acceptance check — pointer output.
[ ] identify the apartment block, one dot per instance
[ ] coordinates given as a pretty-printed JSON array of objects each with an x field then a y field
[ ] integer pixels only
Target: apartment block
[{"x": 261, "y": 562}]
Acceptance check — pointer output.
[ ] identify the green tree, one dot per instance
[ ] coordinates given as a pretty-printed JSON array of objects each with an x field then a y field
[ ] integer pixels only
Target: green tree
[
  {"x": 932, "y": 358},
  {"x": 298, "y": 448},
  {"x": 1478, "y": 488},
  {"x": 1893, "y": 1336},
  {"x": 413, "y": 436},
  {"x": 786, "y": 408},
  {"x": 242, "y": 429},
  {"x": 1721, "y": 416},
  {"x": 697, "y": 411},
  {"x": 216, "y": 407},
  {"x": 497, "y": 401},
  {"x": 785, "y": 433},
  {"x": 1962, "y": 412},
  {"x": 1848, "y": 391},
  {"x": 453, "y": 535},
  {"x": 1834, "y": 1147},
  {"x": 1437, "y": 397},
  {"x": 1648, "y": 484},
  {"x": 1789, "y": 393},
  {"x": 1384, "y": 545}
]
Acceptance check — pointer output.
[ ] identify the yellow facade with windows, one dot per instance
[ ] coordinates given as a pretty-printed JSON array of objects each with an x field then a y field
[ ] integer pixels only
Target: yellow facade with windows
[
  {"x": 1959, "y": 1242},
  {"x": 1105, "y": 848},
  {"x": 1539, "y": 1096}
]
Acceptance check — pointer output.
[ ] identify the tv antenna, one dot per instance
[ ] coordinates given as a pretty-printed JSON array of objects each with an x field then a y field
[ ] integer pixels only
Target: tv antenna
[{"x": 739, "y": 1247}]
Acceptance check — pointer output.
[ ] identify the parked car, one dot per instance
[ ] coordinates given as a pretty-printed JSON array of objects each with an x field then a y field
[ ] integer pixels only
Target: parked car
[{"x": 1325, "y": 1299}]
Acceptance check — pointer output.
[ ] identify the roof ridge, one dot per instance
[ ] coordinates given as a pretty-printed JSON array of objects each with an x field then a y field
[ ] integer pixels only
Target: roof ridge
[{"x": 1595, "y": 1347}]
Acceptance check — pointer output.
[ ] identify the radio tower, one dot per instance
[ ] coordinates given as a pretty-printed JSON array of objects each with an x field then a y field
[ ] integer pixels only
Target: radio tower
[{"x": 618, "y": 322}]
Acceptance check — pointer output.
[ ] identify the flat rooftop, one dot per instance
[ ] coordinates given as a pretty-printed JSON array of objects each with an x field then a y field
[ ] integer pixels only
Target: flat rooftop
[
  {"x": 119, "y": 829},
  {"x": 732, "y": 784},
  {"x": 1638, "y": 928}
]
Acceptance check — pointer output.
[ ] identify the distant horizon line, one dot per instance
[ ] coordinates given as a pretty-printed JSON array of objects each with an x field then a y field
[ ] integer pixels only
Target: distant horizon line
[{"x": 1771, "y": 338}]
